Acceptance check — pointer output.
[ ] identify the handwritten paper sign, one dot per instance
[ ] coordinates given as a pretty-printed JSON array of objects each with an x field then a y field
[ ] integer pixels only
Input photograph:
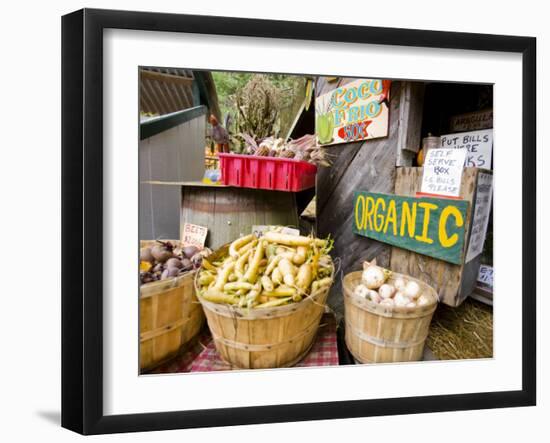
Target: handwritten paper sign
[
  {"x": 354, "y": 111},
  {"x": 429, "y": 226},
  {"x": 478, "y": 143},
  {"x": 472, "y": 121},
  {"x": 485, "y": 276},
  {"x": 194, "y": 235},
  {"x": 483, "y": 204},
  {"x": 443, "y": 172}
]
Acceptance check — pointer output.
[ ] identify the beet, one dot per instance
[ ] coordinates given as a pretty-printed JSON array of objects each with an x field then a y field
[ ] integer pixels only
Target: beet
[
  {"x": 190, "y": 251},
  {"x": 174, "y": 263}
]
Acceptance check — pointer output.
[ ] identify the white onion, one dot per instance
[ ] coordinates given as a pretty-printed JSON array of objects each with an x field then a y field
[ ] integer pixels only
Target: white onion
[
  {"x": 361, "y": 291},
  {"x": 412, "y": 290},
  {"x": 374, "y": 296},
  {"x": 386, "y": 291},
  {"x": 400, "y": 284},
  {"x": 401, "y": 299},
  {"x": 373, "y": 277}
]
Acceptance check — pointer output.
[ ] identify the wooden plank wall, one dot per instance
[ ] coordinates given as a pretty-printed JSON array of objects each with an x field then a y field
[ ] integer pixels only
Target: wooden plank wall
[
  {"x": 370, "y": 166},
  {"x": 174, "y": 155}
]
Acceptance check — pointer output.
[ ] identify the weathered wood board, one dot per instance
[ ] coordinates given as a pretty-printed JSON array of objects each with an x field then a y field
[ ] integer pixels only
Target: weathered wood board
[
  {"x": 452, "y": 282},
  {"x": 368, "y": 165},
  {"x": 230, "y": 212},
  {"x": 426, "y": 225}
]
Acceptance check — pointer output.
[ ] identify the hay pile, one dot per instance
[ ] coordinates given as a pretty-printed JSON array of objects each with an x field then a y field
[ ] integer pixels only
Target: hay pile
[{"x": 463, "y": 332}]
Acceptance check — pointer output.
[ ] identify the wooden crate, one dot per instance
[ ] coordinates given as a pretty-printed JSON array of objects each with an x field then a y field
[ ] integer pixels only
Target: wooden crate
[
  {"x": 229, "y": 212},
  {"x": 170, "y": 316},
  {"x": 452, "y": 282},
  {"x": 385, "y": 334}
]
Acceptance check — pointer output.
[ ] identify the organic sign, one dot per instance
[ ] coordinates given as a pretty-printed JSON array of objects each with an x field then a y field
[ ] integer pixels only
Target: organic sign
[
  {"x": 443, "y": 172},
  {"x": 354, "y": 111},
  {"x": 480, "y": 221},
  {"x": 429, "y": 226},
  {"x": 478, "y": 143},
  {"x": 194, "y": 235}
]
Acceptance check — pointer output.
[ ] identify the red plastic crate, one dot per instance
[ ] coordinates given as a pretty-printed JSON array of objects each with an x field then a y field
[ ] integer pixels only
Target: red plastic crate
[{"x": 273, "y": 173}]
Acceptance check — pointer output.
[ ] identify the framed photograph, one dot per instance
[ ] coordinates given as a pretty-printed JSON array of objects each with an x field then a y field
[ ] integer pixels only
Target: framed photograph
[{"x": 270, "y": 221}]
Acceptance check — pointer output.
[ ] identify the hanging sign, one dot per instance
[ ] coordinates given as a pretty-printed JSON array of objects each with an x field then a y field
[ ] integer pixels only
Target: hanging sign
[
  {"x": 194, "y": 235},
  {"x": 479, "y": 145},
  {"x": 472, "y": 121},
  {"x": 355, "y": 111},
  {"x": 429, "y": 226},
  {"x": 442, "y": 172},
  {"x": 482, "y": 211}
]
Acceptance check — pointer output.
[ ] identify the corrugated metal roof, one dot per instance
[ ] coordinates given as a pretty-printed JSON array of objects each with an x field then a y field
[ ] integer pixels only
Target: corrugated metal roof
[{"x": 165, "y": 90}]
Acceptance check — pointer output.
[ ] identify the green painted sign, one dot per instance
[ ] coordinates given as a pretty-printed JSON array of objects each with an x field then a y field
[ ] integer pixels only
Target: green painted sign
[{"x": 429, "y": 226}]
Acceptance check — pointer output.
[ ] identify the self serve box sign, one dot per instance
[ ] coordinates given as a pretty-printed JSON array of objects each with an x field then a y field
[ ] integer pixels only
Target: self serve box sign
[{"x": 428, "y": 226}]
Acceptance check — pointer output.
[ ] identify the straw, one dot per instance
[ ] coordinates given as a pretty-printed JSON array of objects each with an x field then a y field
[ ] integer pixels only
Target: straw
[{"x": 463, "y": 332}]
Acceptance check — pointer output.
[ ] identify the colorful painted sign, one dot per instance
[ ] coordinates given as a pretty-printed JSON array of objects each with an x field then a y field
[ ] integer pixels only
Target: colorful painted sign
[
  {"x": 354, "y": 111},
  {"x": 428, "y": 226},
  {"x": 478, "y": 143}
]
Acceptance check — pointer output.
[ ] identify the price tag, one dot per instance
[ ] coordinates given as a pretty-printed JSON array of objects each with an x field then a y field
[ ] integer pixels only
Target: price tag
[
  {"x": 194, "y": 235},
  {"x": 485, "y": 275}
]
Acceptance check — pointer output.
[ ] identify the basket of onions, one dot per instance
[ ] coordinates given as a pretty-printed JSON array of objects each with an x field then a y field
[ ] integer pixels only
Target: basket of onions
[
  {"x": 169, "y": 312},
  {"x": 387, "y": 315}
]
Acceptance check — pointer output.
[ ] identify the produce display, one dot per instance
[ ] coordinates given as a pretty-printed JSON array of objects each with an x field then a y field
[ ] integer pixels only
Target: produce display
[
  {"x": 304, "y": 148},
  {"x": 378, "y": 286},
  {"x": 165, "y": 260},
  {"x": 273, "y": 270}
]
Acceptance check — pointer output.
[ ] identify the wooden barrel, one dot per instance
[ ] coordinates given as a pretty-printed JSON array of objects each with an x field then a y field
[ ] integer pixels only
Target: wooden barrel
[
  {"x": 381, "y": 334},
  {"x": 229, "y": 212},
  {"x": 170, "y": 317},
  {"x": 266, "y": 337}
]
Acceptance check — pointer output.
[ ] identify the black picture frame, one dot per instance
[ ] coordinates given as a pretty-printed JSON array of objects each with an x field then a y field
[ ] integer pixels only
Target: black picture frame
[{"x": 82, "y": 218}]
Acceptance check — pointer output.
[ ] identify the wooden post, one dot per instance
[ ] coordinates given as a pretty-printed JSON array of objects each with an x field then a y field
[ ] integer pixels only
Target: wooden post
[{"x": 368, "y": 165}]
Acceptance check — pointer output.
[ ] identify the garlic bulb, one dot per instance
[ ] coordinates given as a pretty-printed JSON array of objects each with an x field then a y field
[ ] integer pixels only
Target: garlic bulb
[
  {"x": 400, "y": 284},
  {"x": 361, "y": 291},
  {"x": 412, "y": 290},
  {"x": 387, "y": 302},
  {"x": 411, "y": 305},
  {"x": 386, "y": 291},
  {"x": 373, "y": 277}
]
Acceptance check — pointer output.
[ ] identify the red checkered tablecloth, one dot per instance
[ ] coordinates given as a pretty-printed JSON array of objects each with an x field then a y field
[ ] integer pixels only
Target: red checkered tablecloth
[
  {"x": 203, "y": 357},
  {"x": 324, "y": 351}
]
